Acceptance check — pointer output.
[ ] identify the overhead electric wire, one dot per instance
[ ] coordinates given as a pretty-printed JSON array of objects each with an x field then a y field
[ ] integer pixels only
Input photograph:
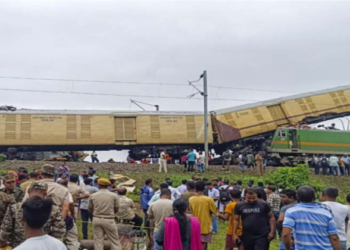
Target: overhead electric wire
[
  {"x": 138, "y": 83},
  {"x": 122, "y": 95}
]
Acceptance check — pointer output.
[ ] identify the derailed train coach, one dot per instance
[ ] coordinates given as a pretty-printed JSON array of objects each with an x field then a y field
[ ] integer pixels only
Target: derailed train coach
[
  {"x": 25, "y": 131},
  {"x": 251, "y": 126}
]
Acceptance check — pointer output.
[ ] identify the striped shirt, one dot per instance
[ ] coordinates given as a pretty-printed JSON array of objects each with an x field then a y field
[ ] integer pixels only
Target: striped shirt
[{"x": 311, "y": 226}]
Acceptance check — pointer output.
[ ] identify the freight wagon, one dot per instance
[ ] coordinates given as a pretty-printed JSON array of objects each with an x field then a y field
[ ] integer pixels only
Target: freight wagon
[
  {"x": 299, "y": 145},
  {"x": 143, "y": 133},
  {"x": 253, "y": 124}
]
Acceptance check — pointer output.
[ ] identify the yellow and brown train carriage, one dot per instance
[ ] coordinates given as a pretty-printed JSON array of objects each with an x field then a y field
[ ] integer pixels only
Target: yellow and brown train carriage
[
  {"x": 245, "y": 123},
  {"x": 63, "y": 130}
]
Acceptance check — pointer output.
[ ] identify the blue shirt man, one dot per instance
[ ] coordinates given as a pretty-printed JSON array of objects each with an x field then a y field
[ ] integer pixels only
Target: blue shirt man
[
  {"x": 313, "y": 227},
  {"x": 192, "y": 156},
  {"x": 146, "y": 194}
]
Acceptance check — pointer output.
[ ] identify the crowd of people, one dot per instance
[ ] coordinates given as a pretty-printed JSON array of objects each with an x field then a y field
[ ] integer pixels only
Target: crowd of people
[
  {"x": 331, "y": 165},
  {"x": 256, "y": 215},
  {"x": 49, "y": 201},
  {"x": 38, "y": 210}
]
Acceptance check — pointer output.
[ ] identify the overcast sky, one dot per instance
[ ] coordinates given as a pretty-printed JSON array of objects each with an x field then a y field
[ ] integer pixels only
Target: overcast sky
[{"x": 285, "y": 46}]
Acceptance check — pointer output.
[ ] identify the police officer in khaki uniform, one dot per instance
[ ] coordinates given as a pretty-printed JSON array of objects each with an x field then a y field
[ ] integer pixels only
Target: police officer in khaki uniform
[
  {"x": 77, "y": 192},
  {"x": 10, "y": 195},
  {"x": 104, "y": 205},
  {"x": 58, "y": 193},
  {"x": 12, "y": 228}
]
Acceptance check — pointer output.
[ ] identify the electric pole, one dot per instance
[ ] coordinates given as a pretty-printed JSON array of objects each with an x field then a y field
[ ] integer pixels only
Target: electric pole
[{"x": 205, "y": 95}]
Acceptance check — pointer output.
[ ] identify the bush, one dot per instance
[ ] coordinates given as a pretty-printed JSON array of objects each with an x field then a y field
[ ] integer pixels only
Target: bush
[
  {"x": 2, "y": 157},
  {"x": 291, "y": 177}
]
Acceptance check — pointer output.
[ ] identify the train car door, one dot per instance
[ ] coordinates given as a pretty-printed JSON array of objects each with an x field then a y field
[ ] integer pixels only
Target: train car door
[
  {"x": 294, "y": 139},
  {"x": 125, "y": 129}
]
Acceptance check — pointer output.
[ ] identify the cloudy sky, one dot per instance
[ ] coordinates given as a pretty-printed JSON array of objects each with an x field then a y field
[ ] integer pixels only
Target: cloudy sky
[
  {"x": 288, "y": 47},
  {"x": 278, "y": 46}
]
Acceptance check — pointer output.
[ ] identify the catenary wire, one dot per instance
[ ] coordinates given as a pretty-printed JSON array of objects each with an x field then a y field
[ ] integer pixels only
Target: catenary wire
[
  {"x": 138, "y": 83},
  {"x": 122, "y": 95}
]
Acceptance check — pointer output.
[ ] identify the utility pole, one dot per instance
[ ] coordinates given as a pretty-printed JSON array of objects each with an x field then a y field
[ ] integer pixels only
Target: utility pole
[{"x": 205, "y": 95}]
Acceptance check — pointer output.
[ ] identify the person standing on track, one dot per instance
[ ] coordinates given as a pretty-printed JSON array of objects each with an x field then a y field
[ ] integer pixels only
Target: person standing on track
[
  {"x": 163, "y": 162},
  {"x": 226, "y": 160},
  {"x": 94, "y": 157},
  {"x": 104, "y": 205},
  {"x": 191, "y": 161},
  {"x": 259, "y": 163}
]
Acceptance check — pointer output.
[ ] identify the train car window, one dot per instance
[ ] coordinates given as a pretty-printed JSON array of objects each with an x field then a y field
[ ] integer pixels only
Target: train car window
[{"x": 282, "y": 133}]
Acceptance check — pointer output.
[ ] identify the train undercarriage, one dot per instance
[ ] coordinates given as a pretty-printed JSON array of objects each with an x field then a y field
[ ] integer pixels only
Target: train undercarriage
[{"x": 76, "y": 152}]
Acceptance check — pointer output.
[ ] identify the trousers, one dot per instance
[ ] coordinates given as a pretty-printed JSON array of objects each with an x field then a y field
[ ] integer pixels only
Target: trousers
[
  {"x": 102, "y": 227},
  {"x": 215, "y": 224},
  {"x": 347, "y": 169},
  {"x": 241, "y": 164},
  {"x": 163, "y": 165},
  {"x": 72, "y": 238},
  {"x": 200, "y": 167},
  {"x": 190, "y": 166},
  {"x": 255, "y": 242},
  {"x": 185, "y": 165},
  {"x": 137, "y": 222},
  {"x": 147, "y": 223},
  {"x": 85, "y": 217},
  {"x": 226, "y": 164},
  {"x": 94, "y": 159}
]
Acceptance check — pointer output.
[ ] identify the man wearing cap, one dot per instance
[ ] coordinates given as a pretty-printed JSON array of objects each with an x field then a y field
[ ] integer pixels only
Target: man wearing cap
[
  {"x": 104, "y": 205},
  {"x": 10, "y": 195},
  {"x": 12, "y": 229},
  {"x": 77, "y": 192},
  {"x": 58, "y": 193}
]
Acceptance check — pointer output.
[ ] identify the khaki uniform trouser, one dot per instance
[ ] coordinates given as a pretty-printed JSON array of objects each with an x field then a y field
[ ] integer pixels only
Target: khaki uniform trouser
[
  {"x": 163, "y": 164},
  {"x": 72, "y": 238},
  {"x": 107, "y": 227},
  {"x": 76, "y": 210}
]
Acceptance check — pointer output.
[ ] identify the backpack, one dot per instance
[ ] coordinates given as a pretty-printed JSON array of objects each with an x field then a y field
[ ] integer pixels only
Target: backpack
[
  {"x": 324, "y": 161},
  {"x": 224, "y": 195}
]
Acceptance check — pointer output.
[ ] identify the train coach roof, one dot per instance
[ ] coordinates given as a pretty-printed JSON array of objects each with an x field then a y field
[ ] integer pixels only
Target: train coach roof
[
  {"x": 279, "y": 100},
  {"x": 94, "y": 112}
]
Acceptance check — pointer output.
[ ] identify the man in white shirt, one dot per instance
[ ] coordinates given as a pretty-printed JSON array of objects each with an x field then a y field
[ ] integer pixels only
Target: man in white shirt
[
  {"x": 174, "y": 192},
  {"x": 183, "y": 188},
  {"x": 340, "y": 213},
  {"x": 36, "y": 211},
  {"x": 156, "y": 195}
]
